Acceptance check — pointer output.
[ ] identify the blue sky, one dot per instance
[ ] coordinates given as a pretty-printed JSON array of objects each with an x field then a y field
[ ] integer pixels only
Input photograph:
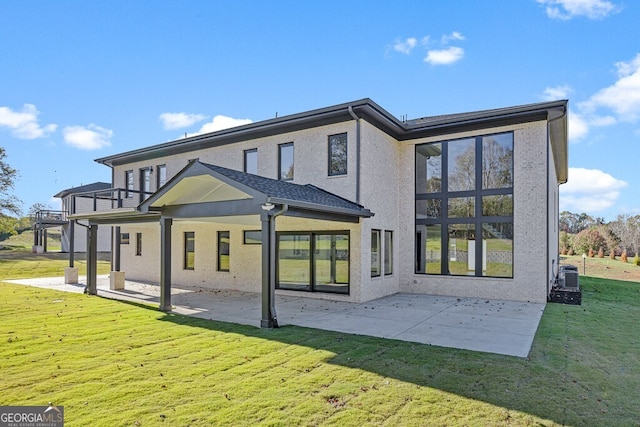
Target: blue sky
[{"x": 81, "y": 80}]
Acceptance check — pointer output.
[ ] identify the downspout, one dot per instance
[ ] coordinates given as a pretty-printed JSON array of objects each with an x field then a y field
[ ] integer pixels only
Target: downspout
[
  {"x": 357, "y": 119},
  {"x": 272, "y": 263},
  {"x": 555, "y": 276}
]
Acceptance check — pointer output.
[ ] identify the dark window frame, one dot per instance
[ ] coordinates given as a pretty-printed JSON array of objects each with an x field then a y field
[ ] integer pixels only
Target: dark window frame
[
  {"x": 251, "y": 240},
  {"x": 145, "y": 183},
  {"x": 245, "y": 154},
  {"x": 476, "y": 220},
  {"x": 138, "y": 244},
  {"x": 124, "y": 238},
  {"x": 129, "y": 183},
  {"x": 220, "y": 245},
  {"x": 280, "y": 172},
  {"x": 378, "y": 262},
  {"x": 310, "y": 287},
  {"x": 159, "y": 182},
  {"x": 388, "y": 253},
  {"x": 333, "y": 170},
  {"x": 189, "y": 235}
]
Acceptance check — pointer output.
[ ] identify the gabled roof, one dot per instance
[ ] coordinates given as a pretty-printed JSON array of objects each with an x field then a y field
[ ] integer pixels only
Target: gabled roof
[
  {"x": 206, "y": 190},
  {"x": 96, "y": 186},
  {"x": 555, "y": 112}
]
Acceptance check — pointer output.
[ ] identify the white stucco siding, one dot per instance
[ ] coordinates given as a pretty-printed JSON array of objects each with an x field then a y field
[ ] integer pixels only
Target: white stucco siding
[
  {"x": 245, "y": 266},
  {"x": 530, "y": 223},
  {"x": 380, "y": 160},
  {"x": 310, "y": 159}
]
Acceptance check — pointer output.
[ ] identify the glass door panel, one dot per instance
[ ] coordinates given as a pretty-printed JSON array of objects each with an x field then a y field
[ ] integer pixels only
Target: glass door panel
[
  {"x": 331, "y": 263},
  {"x": 294, "y": 262}
]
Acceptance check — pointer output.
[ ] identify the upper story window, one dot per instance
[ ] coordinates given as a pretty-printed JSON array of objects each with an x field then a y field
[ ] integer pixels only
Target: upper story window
[
  {"x": 464, "y": 206},
  {"x": 128, "y": 179},
  {"x": 251, "y": 161},
  {"x": 162, "y": 176},
  {"x": 285, "y": 161},
  {"x": 338, "y": 154},
  {"x": 145, "y": 183}
]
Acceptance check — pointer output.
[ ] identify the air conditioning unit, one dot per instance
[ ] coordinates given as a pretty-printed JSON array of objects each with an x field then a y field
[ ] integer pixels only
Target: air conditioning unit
[{"x": 568, "y": 277}]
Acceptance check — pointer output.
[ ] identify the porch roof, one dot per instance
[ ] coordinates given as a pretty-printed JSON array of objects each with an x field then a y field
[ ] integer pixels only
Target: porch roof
[{"x": 204, "y": 190}]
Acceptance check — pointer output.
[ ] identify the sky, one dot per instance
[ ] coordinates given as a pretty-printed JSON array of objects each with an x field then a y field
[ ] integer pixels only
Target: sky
[{"x": 80, "y": 80}]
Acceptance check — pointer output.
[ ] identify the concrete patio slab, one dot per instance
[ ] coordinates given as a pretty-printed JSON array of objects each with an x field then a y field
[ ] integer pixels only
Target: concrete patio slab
[{"x": 493, "y": 326}]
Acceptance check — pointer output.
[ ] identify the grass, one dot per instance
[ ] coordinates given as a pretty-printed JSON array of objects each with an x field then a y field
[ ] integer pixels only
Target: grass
[{"x": 115, "y": 363}]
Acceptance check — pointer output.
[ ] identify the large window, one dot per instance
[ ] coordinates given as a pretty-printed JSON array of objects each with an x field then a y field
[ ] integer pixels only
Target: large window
[
  {"x": 375, "y": 253},
  {"x": 128, "y": 181},
  {"x": 145, "y": 183},
  {"x": 251, "y": 161},
  {"x": 338, "y": 154},
  {"x": 223, "y": 251},
  {"x": 315, "y": 262},
  {"x": 464, "y": 207},
  {"x": 285, "y": 161},
  {"x": 161, "y": 176},
  {"x": 388, "y": 252},
  {"x": 189, "y": 250}
]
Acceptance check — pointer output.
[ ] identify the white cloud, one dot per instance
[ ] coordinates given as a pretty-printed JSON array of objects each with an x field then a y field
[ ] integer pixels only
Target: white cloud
[
  {"x": 567, "y": 9},
  {"x": 179, "y": 120},
  {"x": 578, "y": 127},
  {"x": 405, "y": 46},
  {"x": 220, "y": 122},
  {"x": 91, "y": 137},
  {"x": 444, "y": 56},
  {"x": 453, "y": 36},
  {"x": 24, "y": 124},
  {"x": 623, "y": 97},
  {"x": 557, "y": 92},
  {"x": 589, "y": 190}
]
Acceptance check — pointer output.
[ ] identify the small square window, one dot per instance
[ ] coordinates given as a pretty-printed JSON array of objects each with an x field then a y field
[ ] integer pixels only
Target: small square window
[{"x": 252, "y": 237}]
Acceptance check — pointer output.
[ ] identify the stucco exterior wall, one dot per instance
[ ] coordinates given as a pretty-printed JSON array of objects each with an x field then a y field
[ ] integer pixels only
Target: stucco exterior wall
[
  {"x": 380, "y": 159},
  {"x": 310, "y": 159},
  {"x": 387, "y": 188},
  {"x": 245, "y": 266},
  {"x": 529, "y": 223}
]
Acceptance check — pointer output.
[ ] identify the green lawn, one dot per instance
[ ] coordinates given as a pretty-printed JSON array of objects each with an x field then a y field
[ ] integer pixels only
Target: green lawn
[{"x": 115, "y": 363}]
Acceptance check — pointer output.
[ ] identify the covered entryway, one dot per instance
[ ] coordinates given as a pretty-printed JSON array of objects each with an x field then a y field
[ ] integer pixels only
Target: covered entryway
[{"x": 205, "y": 192}]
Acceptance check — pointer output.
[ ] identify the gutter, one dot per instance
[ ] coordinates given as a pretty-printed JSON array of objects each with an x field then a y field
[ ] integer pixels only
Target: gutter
[
  {"x": 560, "y": 116},
  {"x": 357, "y": 119}
]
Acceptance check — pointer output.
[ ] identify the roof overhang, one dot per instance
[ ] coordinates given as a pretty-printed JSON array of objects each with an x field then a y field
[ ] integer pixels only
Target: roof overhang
[{"x": 203, "y": 192}]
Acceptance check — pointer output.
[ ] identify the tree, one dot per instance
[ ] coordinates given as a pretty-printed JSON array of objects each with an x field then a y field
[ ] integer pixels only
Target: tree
[
  {"x": 588, "y": 240},
  {"x": 9, "y": 204}
]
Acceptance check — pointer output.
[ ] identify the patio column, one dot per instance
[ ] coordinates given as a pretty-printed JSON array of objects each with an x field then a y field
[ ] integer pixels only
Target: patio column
[
  {"x": 72, "y": 242},
  {"x": 71, "y": 272},
  {"x": 92, "y": 259},
  {"x": 115, "y": 260},
  {"x": 165, "y": 263},
  {"x": 267, "y": 224}
]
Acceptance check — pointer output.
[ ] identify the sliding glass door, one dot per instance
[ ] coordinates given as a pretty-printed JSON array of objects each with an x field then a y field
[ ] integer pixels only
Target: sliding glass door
[{"x": 313, "y": 261}]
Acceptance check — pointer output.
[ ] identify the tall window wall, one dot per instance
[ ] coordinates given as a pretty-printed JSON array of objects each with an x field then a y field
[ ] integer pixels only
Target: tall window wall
[{"x": 464, "y": 207}]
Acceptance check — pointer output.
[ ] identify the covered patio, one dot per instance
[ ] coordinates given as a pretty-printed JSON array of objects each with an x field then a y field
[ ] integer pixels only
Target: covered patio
[{"x": 204, "y": 192}]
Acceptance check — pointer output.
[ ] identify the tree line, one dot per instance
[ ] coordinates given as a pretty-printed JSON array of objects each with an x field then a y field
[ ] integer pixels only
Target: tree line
[{"x": 583, "y": 234}]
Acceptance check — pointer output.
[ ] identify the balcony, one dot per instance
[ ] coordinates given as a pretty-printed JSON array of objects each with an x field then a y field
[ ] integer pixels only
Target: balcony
[{"x": 107, "y": 200}]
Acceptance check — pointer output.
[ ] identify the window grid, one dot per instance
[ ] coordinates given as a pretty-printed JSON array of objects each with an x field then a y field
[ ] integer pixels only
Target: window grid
[{"x": 452, "y": 215}]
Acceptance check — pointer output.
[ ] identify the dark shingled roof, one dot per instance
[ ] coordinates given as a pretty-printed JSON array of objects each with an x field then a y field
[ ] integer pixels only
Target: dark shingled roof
[
  {"x": 286, "y": 190},
  {"x": 96, "y": 186}
]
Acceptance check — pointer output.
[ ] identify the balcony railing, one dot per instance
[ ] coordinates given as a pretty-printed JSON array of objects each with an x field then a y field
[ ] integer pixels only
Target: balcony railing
[
  {"x": 105, "y": 200},
  {"x": 46, "y": 216}
]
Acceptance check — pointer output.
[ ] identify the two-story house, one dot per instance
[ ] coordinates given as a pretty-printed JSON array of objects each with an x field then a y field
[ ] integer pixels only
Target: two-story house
[{"x": 347, "y": 203}]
